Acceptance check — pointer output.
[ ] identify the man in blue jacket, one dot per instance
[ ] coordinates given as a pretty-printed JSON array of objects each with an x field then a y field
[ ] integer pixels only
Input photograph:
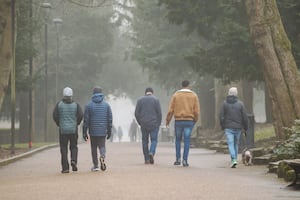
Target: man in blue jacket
[
  {"x": 98, "y": 124},
  {"x": 67, "y": 115},
  {"x": 148, "y": 116}
]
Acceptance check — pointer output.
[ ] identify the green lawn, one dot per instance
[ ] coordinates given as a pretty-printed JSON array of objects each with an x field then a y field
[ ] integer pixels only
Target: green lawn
[
  {"x": 24, "y": 145},
  {"x": 265, "y": 132}
]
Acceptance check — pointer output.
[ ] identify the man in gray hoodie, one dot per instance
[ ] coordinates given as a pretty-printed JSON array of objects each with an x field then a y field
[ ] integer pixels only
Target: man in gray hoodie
[{"x": 233, "y": 119}]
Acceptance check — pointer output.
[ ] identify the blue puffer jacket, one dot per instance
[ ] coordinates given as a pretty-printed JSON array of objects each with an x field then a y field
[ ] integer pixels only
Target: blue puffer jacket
[{"x": 97, "y": 116}]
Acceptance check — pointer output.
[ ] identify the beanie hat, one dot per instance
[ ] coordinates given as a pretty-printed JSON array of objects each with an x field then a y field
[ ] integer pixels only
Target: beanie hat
[
  {"x": 68, "y": 92},
  {"x": 232, "y": 91},
  {"x": 149, "y": 90},
  {"x": 97, "y": 90}
]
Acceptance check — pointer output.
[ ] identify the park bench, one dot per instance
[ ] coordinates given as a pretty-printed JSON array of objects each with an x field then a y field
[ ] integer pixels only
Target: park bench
[{"x": 295, "y": 165}]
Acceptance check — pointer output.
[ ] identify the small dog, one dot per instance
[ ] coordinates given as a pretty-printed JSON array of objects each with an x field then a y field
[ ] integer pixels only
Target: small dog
[{"x": 247, "y": 157}]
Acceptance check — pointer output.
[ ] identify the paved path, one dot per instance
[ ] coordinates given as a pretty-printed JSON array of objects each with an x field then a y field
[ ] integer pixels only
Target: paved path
[{"x": 209, "y": 177}]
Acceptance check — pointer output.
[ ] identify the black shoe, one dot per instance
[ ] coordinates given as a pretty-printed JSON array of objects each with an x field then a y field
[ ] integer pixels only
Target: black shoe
[
  {"x": 64, "y": 171},
  {"x": 147, "y": 162},
  {"x": 102, "y": 163},
  {"x": 74, "y": 166},
  {"x": 177, "y": 162},
  {"x": 151, "y": 159},
  {"x": 185, "y": 163}
]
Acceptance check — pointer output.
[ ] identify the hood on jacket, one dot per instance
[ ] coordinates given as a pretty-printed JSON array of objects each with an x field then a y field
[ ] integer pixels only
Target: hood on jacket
[
  {"x": 67, "y": 99},
  {"x": 98, "y": 97},
  {"x": 231, "y": 99}
]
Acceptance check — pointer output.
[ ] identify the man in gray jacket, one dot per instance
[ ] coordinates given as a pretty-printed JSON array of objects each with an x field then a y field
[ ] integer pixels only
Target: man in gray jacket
[
  {"x": 233, "y": 119},
  {"x": 148, "y": 115}
]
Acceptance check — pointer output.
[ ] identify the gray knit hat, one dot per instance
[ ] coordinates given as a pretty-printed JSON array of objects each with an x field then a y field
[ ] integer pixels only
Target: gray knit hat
[
  {"x": 67, "y": 92},
  {"x": 232, "y": 91}
]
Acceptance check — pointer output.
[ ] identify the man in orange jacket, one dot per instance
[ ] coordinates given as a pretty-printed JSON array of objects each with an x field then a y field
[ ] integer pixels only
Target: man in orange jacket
[{"x": 184, "y": 105}]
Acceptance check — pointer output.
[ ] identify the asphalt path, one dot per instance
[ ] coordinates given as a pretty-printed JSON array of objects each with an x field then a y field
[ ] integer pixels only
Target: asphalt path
[{"x": 209, "y": 177}]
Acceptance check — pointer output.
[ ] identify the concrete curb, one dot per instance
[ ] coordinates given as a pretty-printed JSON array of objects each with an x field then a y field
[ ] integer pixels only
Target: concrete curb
[{"x": 26, "y": 154}]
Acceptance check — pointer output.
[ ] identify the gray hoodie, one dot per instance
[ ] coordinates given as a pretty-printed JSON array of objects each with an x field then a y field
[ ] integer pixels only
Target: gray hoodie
[{"x": 233, "y": 114}]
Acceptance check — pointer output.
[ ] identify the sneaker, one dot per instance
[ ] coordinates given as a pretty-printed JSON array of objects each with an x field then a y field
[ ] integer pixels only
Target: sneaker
[
  {"x": 102, "y": 163},
  {"x": 177, "y": 162},
  {"x": 65, "y": 171},
  {"x": 151, "y": 160},
  {"x": 185, "y": 163},
  {"x": 233, "y": 164},
  {"x": 95, "y": 169},
  {"x": 74, "y": 166},
  {"x": 147, "y": 162}
]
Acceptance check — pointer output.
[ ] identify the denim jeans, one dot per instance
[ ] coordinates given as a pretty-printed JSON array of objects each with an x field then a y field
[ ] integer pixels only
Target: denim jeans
[
  {"x": 97, "y": 142},
  {"x": 145, "y": 141},
  {"x": 233, "y": 138},
  {"x": 183, "y": 128}
]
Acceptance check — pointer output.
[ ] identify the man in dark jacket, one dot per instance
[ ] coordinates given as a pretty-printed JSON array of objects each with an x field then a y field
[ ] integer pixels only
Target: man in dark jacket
[
  {"x": 98, "y": 123},
  {"x": 233, "y": 119},
  {"x": 67, "y": 115},
  {"x": 148, "y": 115}
]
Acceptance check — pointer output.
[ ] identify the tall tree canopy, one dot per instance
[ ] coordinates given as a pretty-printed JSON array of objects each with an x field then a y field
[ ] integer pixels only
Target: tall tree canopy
[
  {"x": 224, "y": 25},
  {"x": 225, "y": 51}
]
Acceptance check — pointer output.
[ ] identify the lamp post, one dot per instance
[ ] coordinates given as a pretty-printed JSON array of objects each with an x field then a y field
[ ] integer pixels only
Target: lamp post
[
  {"x": 46, "y": 6},
  {"x": 57, "y": 22},
  {"x": 13, "y": 78}
]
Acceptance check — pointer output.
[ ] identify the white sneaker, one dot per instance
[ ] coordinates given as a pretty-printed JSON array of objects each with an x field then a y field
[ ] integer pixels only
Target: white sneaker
[
  {"x": 233, "y": 164},
  {"x": 95, "y": 169}
]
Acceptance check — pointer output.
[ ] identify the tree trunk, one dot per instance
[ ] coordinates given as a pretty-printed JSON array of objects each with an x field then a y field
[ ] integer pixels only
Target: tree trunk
[
  {"x": 247, "y": 95},
  {"x": 5, "y": 46},
  {"x": 220, "y": 95},
  {"x": 207, "y": 102},
  {"x": 24, "y": 117},
  {"x": 268, "y": 107},
  {"x": 279, "y": 67}
]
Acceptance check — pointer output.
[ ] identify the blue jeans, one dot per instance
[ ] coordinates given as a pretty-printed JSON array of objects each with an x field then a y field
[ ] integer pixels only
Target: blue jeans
[
  {"x": 153, "y": 134},
  {"x": 183, "y": 128},
  {"x": 233, "y": 138}
]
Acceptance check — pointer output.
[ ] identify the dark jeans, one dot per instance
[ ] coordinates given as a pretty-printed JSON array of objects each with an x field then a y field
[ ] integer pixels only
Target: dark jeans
[
  {"x": 97, "y": 142},
  {"x": 64, "y": 140},
  {"x": 153, "y": 134}
]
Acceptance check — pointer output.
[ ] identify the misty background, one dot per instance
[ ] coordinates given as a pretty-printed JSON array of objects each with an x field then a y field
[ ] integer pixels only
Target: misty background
[{"x": 121, "y": 46}]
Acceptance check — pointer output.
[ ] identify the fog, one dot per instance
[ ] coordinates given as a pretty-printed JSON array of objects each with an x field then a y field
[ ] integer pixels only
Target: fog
[
  {"x": 123, "y": 113},
  {"x": 91, "y": 48}
]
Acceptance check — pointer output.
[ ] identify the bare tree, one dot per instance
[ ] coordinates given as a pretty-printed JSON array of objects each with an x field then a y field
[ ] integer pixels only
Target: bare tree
[
  {"x": 279, "y": 66},
  {"x": 5, "y": 46}
]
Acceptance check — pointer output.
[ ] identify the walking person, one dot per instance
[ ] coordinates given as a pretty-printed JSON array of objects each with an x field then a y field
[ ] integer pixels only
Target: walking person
[
  {"x": 113, "y": 133},
  {"x": 184, "y": 105},
  {"x": 120, "y": 133},
  {"x": 233, "y": 119},
  {"x": 148, "y": 116},
  {"x": 97, "y": 125},
  {"x": 133, "y": 131},
  {"x": 67, "y": 115}
]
